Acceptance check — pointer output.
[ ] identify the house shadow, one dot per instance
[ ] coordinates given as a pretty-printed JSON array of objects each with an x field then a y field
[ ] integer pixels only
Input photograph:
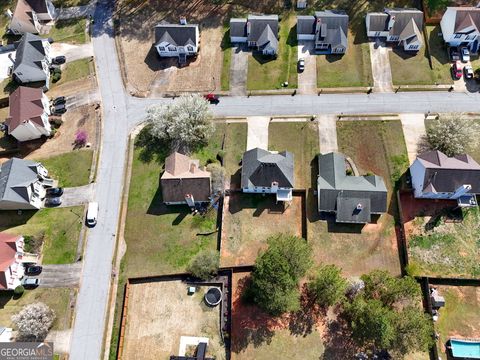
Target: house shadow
[
  {"x": 406, "y": 55},
  {"x": 292, "y": 36},
  {"x": 438, "y": 53},
  {"x": 155, "y": 63},
  {"x": 263, "y": 59},
  {"x": 13, "y": 218},
  {"x": 259, "y": 202},
  {"x": 236, "y": 180},
  {"x": 158, "y": 208},
  {"x": 331, "y": 58}
]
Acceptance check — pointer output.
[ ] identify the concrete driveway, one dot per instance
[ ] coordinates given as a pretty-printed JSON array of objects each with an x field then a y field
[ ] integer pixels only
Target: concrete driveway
[
  {"x": 413, "y": 130},
  {"x": 65, "y": 275},
  {"x": 381, "y": 71},
  {"x": 238, "y": 71},
  {"x": 78, "y": 195},
  {"x": 257, "y": 135},
  {"x": 72, "y": 52},
  {"x": 307, "y": 80}
]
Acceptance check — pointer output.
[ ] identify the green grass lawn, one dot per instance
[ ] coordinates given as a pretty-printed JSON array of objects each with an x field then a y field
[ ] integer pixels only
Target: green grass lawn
[
  {"x": 410, "y": 68},
  {"x": 438, "y": 54},
  {"x": 57, "y": 299},
  {"x": 69, "y": 31},
  {"x": 461, "y": 315},
  {"x": 227, "y": 60},
  {"x": 300, "y": 138},
  {"x": 74, "y": 70},
  {"x": 71, "y": 169},
  {"x": 59, "y": 228},
  {"x": 69, "y": 3},
  {"x": 266, "y": 73}
]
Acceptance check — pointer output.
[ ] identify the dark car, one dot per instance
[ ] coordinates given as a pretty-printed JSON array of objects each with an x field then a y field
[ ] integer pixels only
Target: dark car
[
  {"x": 55, "y": 192},
  {"x": 59, "y": 60},
  {"x": 33, "y": 270},
  {"x": 53, "y": 201},
  {"x": 454, "y": 54},
  {"x": 59, "y": 109},
  {"x": 212, "y": 99},
  {"x": 30, "y": 283},
  {"x": 59, "y": 100}
]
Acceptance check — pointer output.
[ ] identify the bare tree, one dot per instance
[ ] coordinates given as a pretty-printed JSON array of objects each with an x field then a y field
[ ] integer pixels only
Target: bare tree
[
  {"x": 33, "y": 321},
  {"x": 453, "y": 134},
  {"x": 184, "y": 124}
]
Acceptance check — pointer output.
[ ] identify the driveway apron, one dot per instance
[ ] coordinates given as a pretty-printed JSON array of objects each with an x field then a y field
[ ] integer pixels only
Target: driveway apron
[
  {"x": 307, "y": 80},
  {"x": 238, "y": 71},
  {"x": 381, "y": 71}
]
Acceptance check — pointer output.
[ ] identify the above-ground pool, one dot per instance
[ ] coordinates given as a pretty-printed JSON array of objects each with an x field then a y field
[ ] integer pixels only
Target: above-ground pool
[
  {"x": 469, "y": 349},
  {"x": 213, "y": 296}
]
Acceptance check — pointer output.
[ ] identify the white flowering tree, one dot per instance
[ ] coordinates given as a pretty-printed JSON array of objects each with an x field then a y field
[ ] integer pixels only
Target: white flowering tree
[
  {"x": 453, "y": 134},
  {"x": 184, "y": 124},
  {"x": 34, "y": 321}
]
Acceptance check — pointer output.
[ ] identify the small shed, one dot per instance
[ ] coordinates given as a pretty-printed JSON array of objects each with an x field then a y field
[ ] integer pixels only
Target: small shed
[
  {"x": 301, "y": 4},
  {"x": 436, "y": 300}
]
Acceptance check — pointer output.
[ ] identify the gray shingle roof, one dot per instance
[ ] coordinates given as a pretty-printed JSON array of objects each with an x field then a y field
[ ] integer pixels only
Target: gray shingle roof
[
  {"x": 333, "y": 23},
  {"x": 268, "y": 38},
  {"x": 403, "y": 18},
  {"x": 39, "y": 6},
  {"x": 466, "y": 17},
  {"x": 306, "y": 25},
  {"x": 29, "y": 56},
  {"x": 261, "y": 168},
  {"x": 348, "y": 211},
  {"x": 15, "y": 176},
  {"x": 176, "y": 34},
  {"x": 335, "y": 186},
  {"x": 238, "y": 27},
  {"x": 378, "y": 22}
]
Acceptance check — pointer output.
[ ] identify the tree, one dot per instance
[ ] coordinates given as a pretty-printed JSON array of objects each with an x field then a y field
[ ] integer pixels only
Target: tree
[
  {"x": 34, "y": 321},
  {"x": 184, "y": 124},
  {"x": 453, "y": 134},
  {"x": 328, "y": 286},
  {"x": 205, "y": 264},
  {"x": 277, "y": 272},
  {"x": 81, "y": 138}
]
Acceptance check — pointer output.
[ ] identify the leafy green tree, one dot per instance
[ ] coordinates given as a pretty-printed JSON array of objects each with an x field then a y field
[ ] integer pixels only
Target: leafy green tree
[
  {"x": 328, "y": 286},
  {"x": 414, "y": 330},
  {"x": 205, "y": 264},
  {"x": 277, "y": 273}
]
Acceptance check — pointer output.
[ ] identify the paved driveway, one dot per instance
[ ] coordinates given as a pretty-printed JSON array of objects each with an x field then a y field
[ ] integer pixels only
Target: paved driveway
[
  {"x": 72, "y": 52},
  {"x": 78, "y": 195},
  {"x": 382, "y": 74},
  {"x": 257, "y": 135},
  {"x": 327, "y": 130},
  {"x": 65, "y": 275},
  {"x": 414, "y": 130},
  {"x": 238, "y": 71},
  {"x": 307, "y": 80}
]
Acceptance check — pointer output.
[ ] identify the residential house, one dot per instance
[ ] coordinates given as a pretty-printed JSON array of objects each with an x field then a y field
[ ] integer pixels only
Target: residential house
[
  {"x": 29, "y": 14},
  {"x": 268, "y": 172},
  {"x": 461, "y": 27},
  {"x": 29, "y": 111},
  {"x": 437, "y": 176},
  {"x": 259, "y": 32},
  {"x": 32, "y": 60},
  {"x": 184, "y": 181},
  {"x": 11, "y": 266},
  {"x": 353, "y": 199},
  {"x": 402, "y": 27},
  {"x": 22, "y": 184},
  {"x": 328, "y": 29},
  {"x": 177, "y": 40}
]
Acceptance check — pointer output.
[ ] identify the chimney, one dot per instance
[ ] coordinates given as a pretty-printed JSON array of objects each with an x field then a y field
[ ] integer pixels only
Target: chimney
[
  {"x": 462, "y": 190},
  {"x": 183, "y": 20},
  {"x": 359, "y": 207},
  {"x": 193, "y": 167},
  {"x": 391, "y": 21},
  {"x": 190, "y": 200}
]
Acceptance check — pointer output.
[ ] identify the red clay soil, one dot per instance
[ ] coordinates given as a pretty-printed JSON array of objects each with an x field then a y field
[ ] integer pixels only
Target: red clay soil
[{"x": 412, "y": 208}]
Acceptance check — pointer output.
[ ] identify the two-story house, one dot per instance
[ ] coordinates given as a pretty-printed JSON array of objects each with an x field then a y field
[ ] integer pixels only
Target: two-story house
[
  {"x": 437, "y": 176},
  {"x": 29, "y": 15},
  {"x": 22, "y": 184},
  {"x": 29, "y": 110},
  {"x": 259, "y": 32},
  {"x": 11, "y": 266},
  {"x": 177, "y": 40},
  {"x": 32, "y": 61},
  {"x": 328, "y": 29},
  {"x": 461, "y": 27},
  {"x": 400, "y": 26},
  {"x": 268, "y": 172}
]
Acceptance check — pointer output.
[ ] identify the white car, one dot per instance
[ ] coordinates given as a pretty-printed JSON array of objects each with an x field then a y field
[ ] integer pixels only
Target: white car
[
  {"x": 465, "y": 55},
  {"x": 301, "y": 65},
  {"x": 92, "y": 213},
  {"x": 468, "y": 72}
]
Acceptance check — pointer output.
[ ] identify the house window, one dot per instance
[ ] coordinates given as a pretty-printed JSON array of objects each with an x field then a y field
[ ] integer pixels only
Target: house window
[
  {"x": 161, "y": 48},
  {"x": 172, "y": 48},
  {"x": 190, "y": 48},
  {"x": 377, "y": 33},
  {"x": 458, "y": 36}
]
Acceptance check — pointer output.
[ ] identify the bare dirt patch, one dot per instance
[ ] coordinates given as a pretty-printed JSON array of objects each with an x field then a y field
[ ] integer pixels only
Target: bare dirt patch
[{"x": 159, "y": 313}]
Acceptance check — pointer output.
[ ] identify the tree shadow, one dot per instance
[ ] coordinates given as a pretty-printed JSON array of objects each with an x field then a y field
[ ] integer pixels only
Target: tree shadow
[
  {"x": 303, "y": 322},
  {"x": 338, "y": 340},
  {"x": 151, "y": 148}
]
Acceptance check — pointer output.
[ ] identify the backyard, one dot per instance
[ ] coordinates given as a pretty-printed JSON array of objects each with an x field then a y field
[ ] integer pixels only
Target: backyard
[
  {"x": 159, "y": 313},
  {"x": 266, "y": 73}
]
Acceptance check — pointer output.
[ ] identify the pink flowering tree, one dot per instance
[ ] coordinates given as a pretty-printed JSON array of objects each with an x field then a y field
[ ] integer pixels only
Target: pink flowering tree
[{"x": 81, "y": 138}]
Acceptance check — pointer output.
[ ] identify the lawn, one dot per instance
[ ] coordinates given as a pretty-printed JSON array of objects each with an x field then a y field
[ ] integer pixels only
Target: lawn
[
  {"x": 461, "y": 315},
  {"x": 57, "y": 299},
  {"x": 227, "y": 60},
  {"x": 300, "y": 138},
  {"x": 439, "y": 56},
  {"x": 69, "y": 31},
  {"x": 266, "y": 73},
  {"x": 58, "y": 228},
  {"x": 69, "y": 3},
  {"x": 71, "y": 169},
  {"x": 74, "y": 70}
]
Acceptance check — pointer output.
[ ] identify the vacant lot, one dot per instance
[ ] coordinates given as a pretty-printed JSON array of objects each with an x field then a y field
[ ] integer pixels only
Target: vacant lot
[
  {"x": 57, "y": 229},
  {"x": 438, "y": 53},
  {"x": 300, "y": 138},
  {"x": 69, "y": 31},
  {"x": 159, "y": 313},
  {"x": 249, "y": 219},
  {"x": 461, "y": 315},
  {"x": 265, "y": 72}
]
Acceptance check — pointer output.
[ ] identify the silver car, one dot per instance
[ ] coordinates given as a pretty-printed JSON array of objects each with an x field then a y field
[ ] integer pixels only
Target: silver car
[
  {"x": 465, "y": 53},
  {"x": 301, "y": 65}
]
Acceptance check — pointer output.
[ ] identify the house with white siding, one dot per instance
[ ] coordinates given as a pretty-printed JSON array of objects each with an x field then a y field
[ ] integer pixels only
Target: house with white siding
[
  {"x": 461, "y": 27},
  {"x": 259, "y": 32},
  {"x": 11, "y": 266},
  {"x": 177, "y": 40},
  {"x": 29, "y": 16}
]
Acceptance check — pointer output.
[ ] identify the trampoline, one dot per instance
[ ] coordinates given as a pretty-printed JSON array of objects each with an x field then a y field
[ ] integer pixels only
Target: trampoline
[
  {"x": 464, "y": 348},
  {"x": 213, "y": 296}
]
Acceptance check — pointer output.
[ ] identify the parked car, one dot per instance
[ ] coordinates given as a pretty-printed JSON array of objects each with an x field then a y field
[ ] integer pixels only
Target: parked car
[
  {"x": 301, "y": 65},
  {"x": 59, "y": 60},
  {"x": 92, "y": 213},
  {"x": 468, "y": 72},
  {"x": 465, "y": 55},
  {"x": 59, "y": 109},
  {"x": 55, "y": 192},
  {"x": 212, "y": 99},
  {"x": 33, "y": 270},
  {"x": 454, "y": 54},
  {"x": 53, "y": 201},
  {"x": 30, "y": 283},
  {"x": 59, "y": 100},
  {"x": 457, "y": 70}
]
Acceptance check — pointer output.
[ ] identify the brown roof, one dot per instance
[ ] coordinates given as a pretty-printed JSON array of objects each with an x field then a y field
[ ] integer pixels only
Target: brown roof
[
  {"x": 8, "y": 249},
  {"x": 25, "y": 105},
  {"x": 23, "y": 11},
  {"x": 184, "y": 176}
]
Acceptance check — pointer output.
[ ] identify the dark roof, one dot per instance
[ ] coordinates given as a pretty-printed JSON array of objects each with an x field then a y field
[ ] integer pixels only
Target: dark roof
[
  {"x": 260, "y": 168},
  {"x": 447, "y": 174},
  {"x": 238, "y": 27},
  {"x": 378, "y": 22},
  {"x": 39, "y": 6},
  {"x": 466, "y": 17},
  {"x": 337, "y": 192},
  {"x": 353, "y": 209},
  {"x": 15, "y": 176},
  {"x": 405, "y": 22},
  {"x": 330, "y": 26},
  {"x": 258, "y": 23},
  {"x": 176, "y": 34},
  {"x": 29, "y": 56},
  {"x": 306, "y": 25}
]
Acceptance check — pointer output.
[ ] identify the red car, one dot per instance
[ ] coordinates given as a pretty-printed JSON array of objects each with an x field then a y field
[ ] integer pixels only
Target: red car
[
  {"x": 457, "y": 70},
  {"x": 212, "y": 99}
]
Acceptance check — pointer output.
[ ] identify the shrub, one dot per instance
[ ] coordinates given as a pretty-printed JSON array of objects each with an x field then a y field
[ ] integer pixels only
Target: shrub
[
  {"x": 205, "y": 264},
  {"x": 81, "y": 138},
  {"x": 19, "y": 290},
  {"x": 328, "y": 286}
]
